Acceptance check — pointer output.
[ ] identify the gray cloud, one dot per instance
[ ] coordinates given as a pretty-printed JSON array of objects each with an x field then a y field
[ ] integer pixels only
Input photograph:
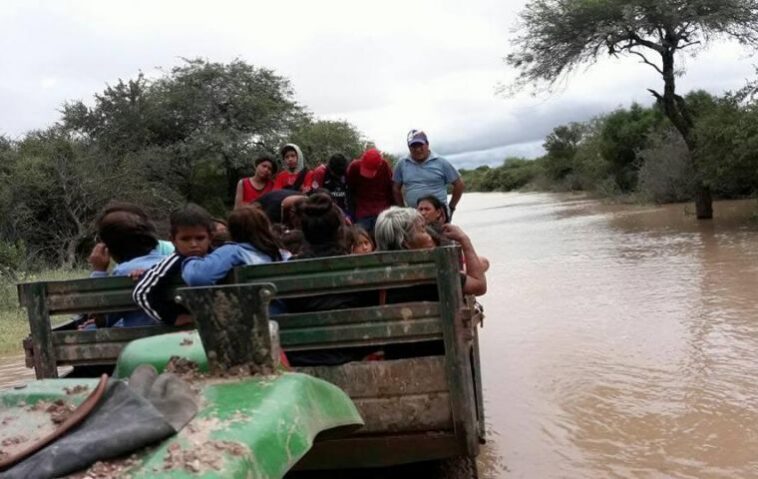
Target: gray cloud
[{"x": 387, "y": 66}]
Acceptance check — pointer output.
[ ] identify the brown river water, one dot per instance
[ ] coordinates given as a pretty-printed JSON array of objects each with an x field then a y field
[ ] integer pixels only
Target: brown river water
[{"x": 619, "y": 341}]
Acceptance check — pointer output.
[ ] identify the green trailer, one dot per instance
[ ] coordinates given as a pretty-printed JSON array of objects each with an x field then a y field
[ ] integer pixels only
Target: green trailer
[{"x": 421, "y": 407}]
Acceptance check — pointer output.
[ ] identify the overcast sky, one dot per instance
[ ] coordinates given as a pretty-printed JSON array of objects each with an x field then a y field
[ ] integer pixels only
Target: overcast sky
[{"x": 385, "y": 66}]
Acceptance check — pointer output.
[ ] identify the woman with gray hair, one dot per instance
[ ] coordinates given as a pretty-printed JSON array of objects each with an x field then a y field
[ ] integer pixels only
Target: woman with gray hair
[{"x": 405, "y": 229}]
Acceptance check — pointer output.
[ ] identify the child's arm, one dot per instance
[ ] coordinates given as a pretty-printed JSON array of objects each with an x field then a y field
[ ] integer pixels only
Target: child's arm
[
  {"x": 99, "y": 259},
  {"x": 197, "y": 271},
  {"x": 151, "y": 290}
]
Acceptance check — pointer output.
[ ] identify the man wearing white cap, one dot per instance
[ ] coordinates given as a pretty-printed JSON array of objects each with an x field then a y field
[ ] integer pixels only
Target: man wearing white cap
[{"x": 424, "y": 173}]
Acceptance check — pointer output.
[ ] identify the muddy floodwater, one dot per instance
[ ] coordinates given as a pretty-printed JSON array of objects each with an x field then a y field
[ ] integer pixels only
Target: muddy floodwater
[{"x": 620, "y": 341}]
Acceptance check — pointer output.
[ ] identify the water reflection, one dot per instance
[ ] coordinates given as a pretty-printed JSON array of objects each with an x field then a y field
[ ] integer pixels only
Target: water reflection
[{"x": 620, "y": 341}]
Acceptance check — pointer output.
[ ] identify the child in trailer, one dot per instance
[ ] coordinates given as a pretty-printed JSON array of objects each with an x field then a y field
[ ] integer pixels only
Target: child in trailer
[
  {"x": 359, "y": 241},
  {"x": 253, "y": 242},
  {"x": 220, "y": 233},
  {"x": 128, "y": 238},
  {"x": 192, "y": 231}
]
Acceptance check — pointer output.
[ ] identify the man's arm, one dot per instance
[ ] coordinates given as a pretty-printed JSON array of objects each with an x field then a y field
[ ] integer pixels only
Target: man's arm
[
  {"x": 397, "y": 193},
  {"x": 458, "y": 188},
  {"x": 397, "y": 184}
]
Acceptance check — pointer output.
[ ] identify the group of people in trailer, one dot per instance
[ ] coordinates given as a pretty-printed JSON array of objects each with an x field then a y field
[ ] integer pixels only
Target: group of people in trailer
[{"x": 286, "y": 212}]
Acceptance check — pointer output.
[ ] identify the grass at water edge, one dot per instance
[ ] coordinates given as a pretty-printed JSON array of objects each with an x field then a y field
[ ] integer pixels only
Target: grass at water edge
[{"x": 14, "y": 326}]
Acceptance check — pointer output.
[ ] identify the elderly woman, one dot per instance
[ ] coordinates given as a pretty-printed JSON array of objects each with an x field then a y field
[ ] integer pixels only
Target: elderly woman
[{"x": 405, "y": 229}]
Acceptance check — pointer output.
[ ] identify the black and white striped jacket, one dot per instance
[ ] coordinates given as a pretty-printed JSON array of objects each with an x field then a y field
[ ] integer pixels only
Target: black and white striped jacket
[{"x": 153, "y": 291}]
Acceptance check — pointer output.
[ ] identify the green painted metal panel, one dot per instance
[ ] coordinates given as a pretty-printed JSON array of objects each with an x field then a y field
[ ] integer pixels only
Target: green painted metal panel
[
  {"x": 397, "y": 324},
  {"x": 457, "y": 351},
  {"x": 354, "y": 280},
  {"x": 376, "y": 333},
  {"x": 158, "y": 350},
  {"x": 395, "y": 312},
  {"x": 47, "y": 390},
  {"x": 105, "y": 335},
  {"x": 336, "y": 263},
  {"x": 252, "y": 427},
  {"x": 276, "y": 419}
]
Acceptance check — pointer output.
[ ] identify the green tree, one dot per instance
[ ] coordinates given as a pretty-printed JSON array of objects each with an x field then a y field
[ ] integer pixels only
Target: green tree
[
  {"x": 556, "y": 36},
  {"x": 55, "y": 186},
  {"x": 200, "y": 124},
  {"x": 622, "y": 134},
  {"x": 561, "y": 146},
  {"x": 319, "y": 139},
  {"x": 727, "y": 135}
]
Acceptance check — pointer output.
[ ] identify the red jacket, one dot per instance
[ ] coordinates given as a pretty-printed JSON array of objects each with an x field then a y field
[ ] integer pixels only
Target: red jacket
[
  {"x": 370, "y": 195},
  {"x": 286, "y": 179}
]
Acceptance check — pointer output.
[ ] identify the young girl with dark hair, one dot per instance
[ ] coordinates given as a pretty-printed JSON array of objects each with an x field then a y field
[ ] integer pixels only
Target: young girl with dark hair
[
  {"x": 321, "y": 222},
  {"x": 253, "y": 243},
  {"x": 360, "y": 241},
  {"x": 323, "y": 227}
]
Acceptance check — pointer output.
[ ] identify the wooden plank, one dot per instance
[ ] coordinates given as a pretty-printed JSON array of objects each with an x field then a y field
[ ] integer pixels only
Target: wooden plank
[
  {"x": 346, "y": 281},
  {"x": 457, "y": 356},
  {"x": 478, "y": 391},
  {"x": 371, "y": 379},
  {"x": 336, "y": 263},
  {"x": 32, "y": 297},
  {"x": 409, "y": 413},
  {"x": 393, "y": 312},
  {"x": 233, "y": 325},
  {"x": 101, "y": 353},
  {"x": 92, "y": 301},
  {"x": 361, "y": 334},
  {"x": 83, "y": 285},
  {"x": 112, "y": 334},
  {"x": 379, "y": 451},
  {"x": 28, "y": 351},
  {"x": 89, "y": 296},
  {"x": 299, "y": 267}
]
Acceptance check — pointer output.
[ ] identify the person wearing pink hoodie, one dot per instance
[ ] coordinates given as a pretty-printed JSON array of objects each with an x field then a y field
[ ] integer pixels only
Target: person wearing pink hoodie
[{"x": 369, "y": 181}]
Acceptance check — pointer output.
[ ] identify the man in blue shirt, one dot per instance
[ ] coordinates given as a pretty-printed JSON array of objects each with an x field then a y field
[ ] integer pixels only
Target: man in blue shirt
[{"x": 424, "y": 173}]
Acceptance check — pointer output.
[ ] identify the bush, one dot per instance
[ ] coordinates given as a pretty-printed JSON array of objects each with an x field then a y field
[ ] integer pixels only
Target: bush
[
  {"x": 514, "y": 174},
  {"x": 13, "y": 258},
  {"x": 727, "y": 139}
]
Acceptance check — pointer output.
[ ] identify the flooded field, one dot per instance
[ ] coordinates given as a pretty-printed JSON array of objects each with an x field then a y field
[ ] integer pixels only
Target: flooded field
[{"x": 620, "y": 341}]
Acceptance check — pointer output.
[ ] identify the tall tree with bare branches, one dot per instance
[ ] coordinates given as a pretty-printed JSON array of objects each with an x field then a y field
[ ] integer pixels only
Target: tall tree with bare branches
[{"x": 557, "y": 36}]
